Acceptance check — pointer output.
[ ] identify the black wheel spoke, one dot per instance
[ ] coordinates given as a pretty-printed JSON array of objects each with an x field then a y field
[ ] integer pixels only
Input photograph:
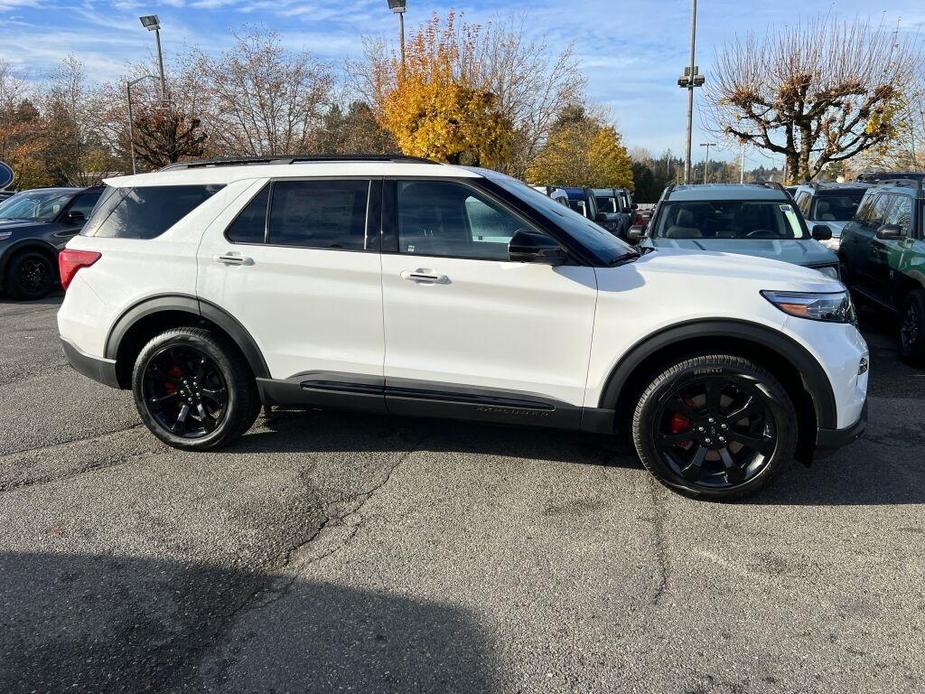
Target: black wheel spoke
[
  {"x": 675, "y": 439},
  {"x": 726, "y": 457},
  {"x": 692, "y": 471},
  {"x": 161, "y": 399},
  {"x": 680, "y": 405},
  {"x": 179, "y": 426},
  {"x": 762, "y": 444},
  {"x": 714, "y": 397},
  {"x": 751, "y": 406}
]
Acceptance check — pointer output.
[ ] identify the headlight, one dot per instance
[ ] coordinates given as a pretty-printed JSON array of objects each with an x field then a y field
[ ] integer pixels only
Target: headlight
[
  {"x": 832, "y": 307},
  {"x": 5, "y": 235},
  {"x": 830, "y": 271}
]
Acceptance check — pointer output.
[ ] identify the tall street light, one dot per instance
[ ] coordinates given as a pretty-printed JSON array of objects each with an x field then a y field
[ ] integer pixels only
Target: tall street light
[
  {"x": 689, "y": 80},
  {"x": 399, "y": 7},
  {"x": 131, "y": 119},
  {"x": 706, "y": 163},
  {"x": 152, "y": 23}
]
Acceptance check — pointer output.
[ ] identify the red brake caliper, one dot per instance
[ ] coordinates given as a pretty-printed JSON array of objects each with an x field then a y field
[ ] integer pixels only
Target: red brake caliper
[{"x": 176, "y": 372}]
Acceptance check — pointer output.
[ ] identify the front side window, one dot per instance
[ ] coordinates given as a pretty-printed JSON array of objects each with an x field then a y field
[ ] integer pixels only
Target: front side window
[
  {"x": 34, "y": 206},
  {"x": 836, "y": 208},
  {"x": 84, "y": 203},
  {"x": 803, "y": 201},
  {"x": 900, "y": 214},
  {"x": 878, "y": 212},
  {"x": 607, "y": 204},
  {"x": 144, "y": 212},
  {"x": 735, "y": 219},
  {"x": 445, "y": 219},
  {"x": 319, "y": 214}
]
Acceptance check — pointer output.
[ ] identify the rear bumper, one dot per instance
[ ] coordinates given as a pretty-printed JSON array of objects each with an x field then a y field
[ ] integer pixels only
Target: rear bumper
[
  {"x": 102, "y": 370},
  {"x": 830, "y": 440}
]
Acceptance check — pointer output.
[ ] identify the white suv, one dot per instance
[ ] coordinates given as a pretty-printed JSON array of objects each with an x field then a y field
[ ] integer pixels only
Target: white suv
[{"x": 401, "y": 286}]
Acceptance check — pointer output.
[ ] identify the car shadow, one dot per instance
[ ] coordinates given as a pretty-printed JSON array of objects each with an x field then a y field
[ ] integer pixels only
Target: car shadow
[{"x": 107, "y": 623}]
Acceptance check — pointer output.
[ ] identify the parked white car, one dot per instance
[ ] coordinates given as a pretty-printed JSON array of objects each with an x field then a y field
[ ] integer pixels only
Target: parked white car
[{"x": 406, "y": 287}]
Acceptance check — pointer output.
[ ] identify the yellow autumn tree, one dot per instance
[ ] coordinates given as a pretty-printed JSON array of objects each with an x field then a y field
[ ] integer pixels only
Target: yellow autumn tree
[
  {"x": 432, "y": 106},
  {"x": 583, "y": 151}
]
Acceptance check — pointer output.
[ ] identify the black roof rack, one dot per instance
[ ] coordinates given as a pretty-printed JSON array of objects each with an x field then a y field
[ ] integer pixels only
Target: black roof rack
[
  {"x": 283, "y": 159},
  {"x": 902, "y": 183}
]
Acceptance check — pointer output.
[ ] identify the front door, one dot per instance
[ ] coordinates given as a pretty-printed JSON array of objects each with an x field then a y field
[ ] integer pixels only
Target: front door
[
  {"x": 299, "y": 268},
  {"x": 465, "y": 327}
]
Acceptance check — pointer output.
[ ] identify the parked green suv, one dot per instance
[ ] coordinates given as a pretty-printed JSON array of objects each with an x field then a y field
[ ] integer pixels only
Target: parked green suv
[{"x": 883, "y": 258}]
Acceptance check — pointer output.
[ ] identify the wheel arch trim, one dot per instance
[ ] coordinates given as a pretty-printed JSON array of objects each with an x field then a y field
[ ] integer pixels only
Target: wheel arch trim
[
  {"x": 186, "y": 303},
  {"x": 813, "y": 376}
]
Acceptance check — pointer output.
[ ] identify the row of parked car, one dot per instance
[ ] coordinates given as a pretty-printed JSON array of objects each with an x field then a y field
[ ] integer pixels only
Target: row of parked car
[{"x": 867, "y": 233}]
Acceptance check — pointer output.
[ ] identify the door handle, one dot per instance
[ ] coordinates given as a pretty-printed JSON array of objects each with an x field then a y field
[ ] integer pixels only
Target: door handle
[
  {"x": 233, "y": 259},
  {"x": 424, "y": 276}
]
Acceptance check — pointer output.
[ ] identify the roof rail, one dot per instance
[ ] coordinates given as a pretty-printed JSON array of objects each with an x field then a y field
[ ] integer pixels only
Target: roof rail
[
  {"x": 667, "y": 192},
  {"x": 770, "y": 184},
  {"x": 284, "y": 159},
  {"x": 902, "y": 183}
]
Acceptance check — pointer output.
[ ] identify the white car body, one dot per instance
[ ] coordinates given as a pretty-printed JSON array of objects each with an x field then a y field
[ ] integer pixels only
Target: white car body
[{"x": 556, "y": 334}]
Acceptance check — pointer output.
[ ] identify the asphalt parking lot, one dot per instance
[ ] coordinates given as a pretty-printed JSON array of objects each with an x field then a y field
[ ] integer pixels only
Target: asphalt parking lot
[{"x": 330, "y": 552}]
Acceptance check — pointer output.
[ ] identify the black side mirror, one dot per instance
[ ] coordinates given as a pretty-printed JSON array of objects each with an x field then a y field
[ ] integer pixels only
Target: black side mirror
[
  {"x": 822, "y": 232},
  {"x": 532, "y": 247},
  {"x": 600, "y": 217},
  {"x": 635, "y": 233},
  {"x": 890, "y": 232},
  {"x": 75, "y": 217}
]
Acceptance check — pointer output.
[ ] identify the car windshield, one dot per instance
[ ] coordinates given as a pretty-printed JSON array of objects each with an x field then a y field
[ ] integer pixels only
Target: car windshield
[
  {"x": 607, "y": 247},
  {"x": 36, "y": 206},
  {"x": 607, "y": 204},
  {"x": 730, "y": 219},
  {"x": 837, "y": 207}
]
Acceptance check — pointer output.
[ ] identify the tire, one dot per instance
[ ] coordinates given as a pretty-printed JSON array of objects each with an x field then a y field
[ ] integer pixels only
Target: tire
[
  {"x": 684, "y": 434},
  {"x": 912, "y": 328},
  {"x": 30, "y": 275},
  {"x": 195, "y": 370}
]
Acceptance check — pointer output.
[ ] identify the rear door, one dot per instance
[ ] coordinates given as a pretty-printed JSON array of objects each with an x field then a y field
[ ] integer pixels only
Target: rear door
[
  {"x": 466, "y": 328},
  {"x": 298, "y": 266}
]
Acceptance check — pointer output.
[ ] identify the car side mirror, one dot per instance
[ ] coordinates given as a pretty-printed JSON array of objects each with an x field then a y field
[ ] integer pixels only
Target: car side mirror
[
  {"x": 75, "y": 217},
  {"x": 635, "y": 206},
  {"x": 635, "y": 233},
  {"x": 600, "y": 217},
  {"x": 890, "y": 232},
  {"x": 532, "y": 247},
  {"x": 822, "y": 232}
]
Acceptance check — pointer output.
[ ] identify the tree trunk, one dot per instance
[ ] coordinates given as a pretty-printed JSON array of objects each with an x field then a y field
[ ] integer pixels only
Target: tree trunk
[{"x": 793, "y": 168}]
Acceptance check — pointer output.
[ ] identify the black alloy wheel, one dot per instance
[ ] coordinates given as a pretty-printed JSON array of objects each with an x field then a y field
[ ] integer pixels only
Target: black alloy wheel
[
  {"x": 715, "y": 426},
  {"x": 194, "y": 389},
  {"x": 912, "y": 328},
  {"x": 184, "y": 391},
  {"x": 30, "y": 275}
]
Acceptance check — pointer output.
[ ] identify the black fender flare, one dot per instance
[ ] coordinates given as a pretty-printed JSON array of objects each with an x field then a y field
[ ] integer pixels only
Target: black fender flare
[
  {"x": 811, "y": 372},
  {"x": 194, "y": 306}
]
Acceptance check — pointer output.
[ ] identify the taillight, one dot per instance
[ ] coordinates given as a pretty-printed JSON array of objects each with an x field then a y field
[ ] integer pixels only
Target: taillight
[{"x": 70, "y": 260}]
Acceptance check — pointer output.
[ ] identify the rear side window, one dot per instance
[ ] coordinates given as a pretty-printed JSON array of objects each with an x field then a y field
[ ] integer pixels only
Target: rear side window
[
  {"x": 144, "y": 212},
  {"x": 250, "y": 226},
  {"x": 319, "y": 214}
]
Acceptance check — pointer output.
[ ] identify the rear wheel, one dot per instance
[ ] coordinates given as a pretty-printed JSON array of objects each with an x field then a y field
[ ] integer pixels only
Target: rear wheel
[
  {"x": 30, "y": 275},
  {"x": 193, "y": 390},
  {"x": 912, "y": 328},
  {"x": 716, "y": 427}
]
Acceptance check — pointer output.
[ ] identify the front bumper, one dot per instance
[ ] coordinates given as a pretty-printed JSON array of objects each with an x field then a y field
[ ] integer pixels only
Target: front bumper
[
  {"x": 830, "y": 440},
  {"x": 102, "y": 370}
]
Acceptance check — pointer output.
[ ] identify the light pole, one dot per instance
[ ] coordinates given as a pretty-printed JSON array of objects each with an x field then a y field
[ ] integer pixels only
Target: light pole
[
  {"x": 689, "y": 80},
  {"x": 399, "y": 7},
  {"x": 706, "y": 163},
  {"x": 152, "y": 23},
  {"x": 131, "y": 120}
]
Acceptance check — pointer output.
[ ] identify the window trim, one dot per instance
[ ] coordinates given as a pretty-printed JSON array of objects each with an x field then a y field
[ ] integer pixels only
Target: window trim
[
  {"x": 390, "y": 218},
  {"x": 372, "y": 203}
]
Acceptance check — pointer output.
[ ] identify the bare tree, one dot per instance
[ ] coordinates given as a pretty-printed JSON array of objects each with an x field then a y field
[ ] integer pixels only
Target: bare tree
[
  {"x": 818, "y": 92},
  {"x": 258, "y": 98}
]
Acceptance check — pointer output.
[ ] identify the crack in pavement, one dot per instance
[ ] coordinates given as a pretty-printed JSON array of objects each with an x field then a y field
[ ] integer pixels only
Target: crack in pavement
[
  {"x": 660, "y": 541},
  {"x": 61, "y": 444}
]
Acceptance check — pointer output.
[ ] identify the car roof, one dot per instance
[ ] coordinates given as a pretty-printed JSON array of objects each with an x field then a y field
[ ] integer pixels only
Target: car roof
[
  {"x": 51, "y": 190},
  {"x": 817, "y": 188},
  {"x": 726, "y": 191},
  {"x": 225, "y": 173}
]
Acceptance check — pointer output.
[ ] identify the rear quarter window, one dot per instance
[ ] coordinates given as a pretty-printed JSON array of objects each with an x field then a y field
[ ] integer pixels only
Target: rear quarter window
[{"x": 144, "y": 212}]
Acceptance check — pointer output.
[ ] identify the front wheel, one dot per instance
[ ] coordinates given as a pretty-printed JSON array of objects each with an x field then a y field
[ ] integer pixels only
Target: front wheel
[
  {"x": 912, "y": 328},
  {"x": 715, "y": 427},
  {"x": 193, "y": 390},
  {"x": 30, "y": 275}
]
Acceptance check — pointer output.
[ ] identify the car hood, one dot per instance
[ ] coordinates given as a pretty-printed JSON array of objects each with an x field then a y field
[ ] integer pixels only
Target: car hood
[
  {"x": 808, "y": 252},
  {"x": 725, "y": 268}
]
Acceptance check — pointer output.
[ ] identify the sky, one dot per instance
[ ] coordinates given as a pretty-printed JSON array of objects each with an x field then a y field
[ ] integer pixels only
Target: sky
[{"x": 631, "y": 51}]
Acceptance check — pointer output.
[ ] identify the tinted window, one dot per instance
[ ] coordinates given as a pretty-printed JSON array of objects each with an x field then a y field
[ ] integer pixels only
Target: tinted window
[
  {"x": 85, "y": 202},
  {"x": 144, "y": 213},
  {"x": 900, "y": 213},
  {"x": 729, "y": 220},
  {"x": 879, "y": 210},
  {"x": 440, "y": 218},
  {"x": 35, "y": 205},
  {"x": 319, "y": 214},
  {"x": 803, "y": 201},
  {"x": 250, "y": 225},
  {"x": 837, "y": 207}
]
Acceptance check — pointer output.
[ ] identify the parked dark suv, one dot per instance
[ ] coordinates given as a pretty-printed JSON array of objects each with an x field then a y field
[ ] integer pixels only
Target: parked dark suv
[
  {"x": 883, "y": 258},
  {"x": 34, "y": 226}
]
